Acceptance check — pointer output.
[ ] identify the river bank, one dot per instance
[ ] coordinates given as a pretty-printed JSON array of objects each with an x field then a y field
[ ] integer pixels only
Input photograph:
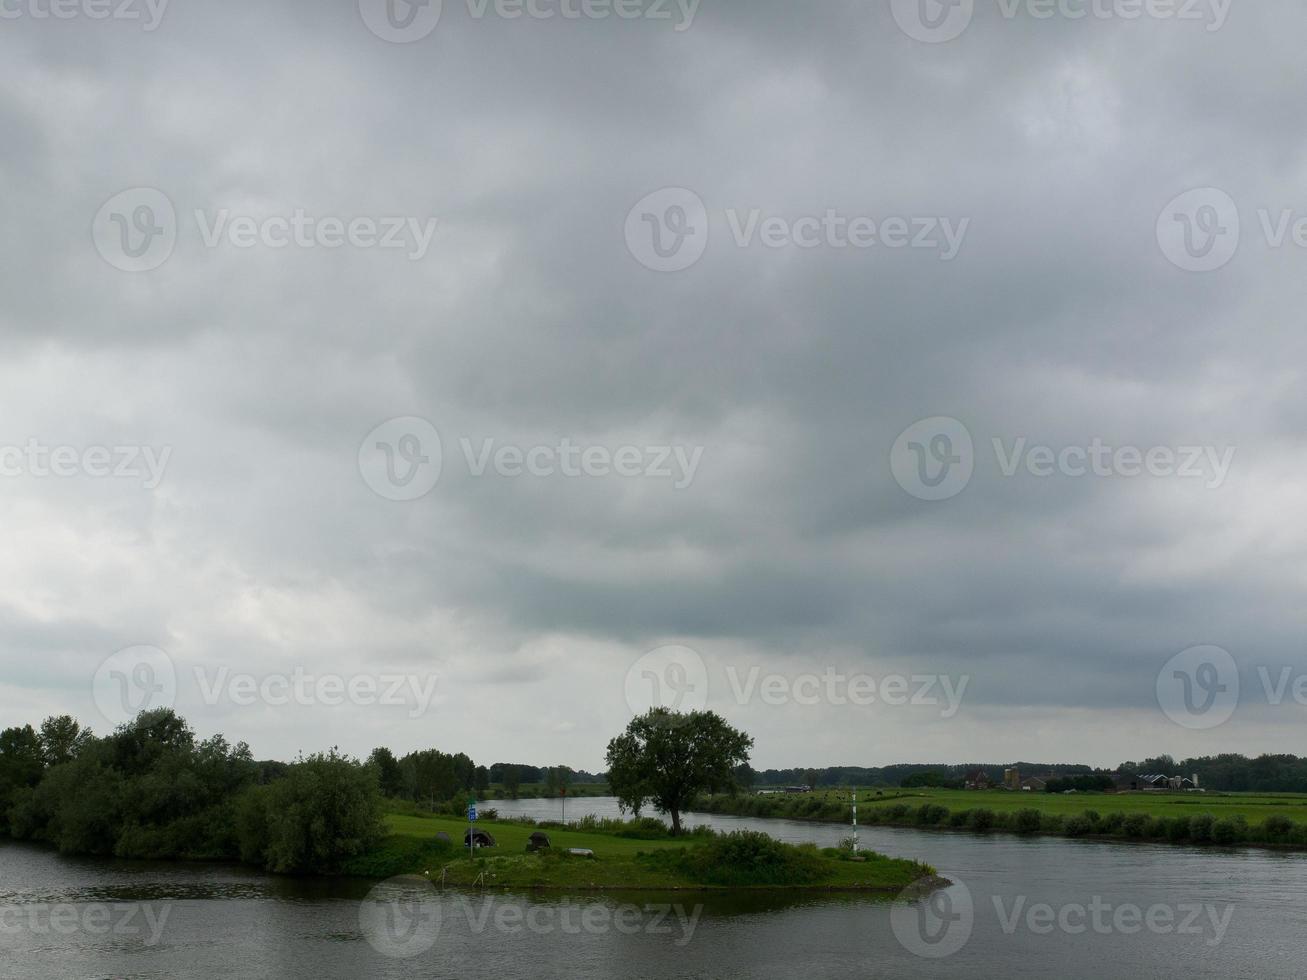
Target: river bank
[{"x": 1192, "y": 820}]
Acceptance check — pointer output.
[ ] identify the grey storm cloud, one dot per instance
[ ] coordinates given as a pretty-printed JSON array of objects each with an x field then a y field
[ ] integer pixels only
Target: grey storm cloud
[{"x": 529, "y": 321}]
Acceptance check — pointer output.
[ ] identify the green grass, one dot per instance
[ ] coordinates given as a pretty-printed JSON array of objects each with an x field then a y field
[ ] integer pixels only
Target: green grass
[
  {"x": 620, "y": 862},
  {"x": 1254, "y": 809}
]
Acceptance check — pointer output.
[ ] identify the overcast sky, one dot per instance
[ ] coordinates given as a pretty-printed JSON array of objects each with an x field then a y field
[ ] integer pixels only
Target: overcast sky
[{"x": 664, "y": 417}]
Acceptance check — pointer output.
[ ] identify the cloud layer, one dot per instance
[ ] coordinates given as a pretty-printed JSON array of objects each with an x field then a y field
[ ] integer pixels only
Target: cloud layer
[{"x": 532, "y": 323}]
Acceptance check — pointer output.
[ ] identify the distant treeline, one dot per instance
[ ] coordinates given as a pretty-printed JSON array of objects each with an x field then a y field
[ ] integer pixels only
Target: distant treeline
[
  {"x": 896, "y": 775},
  {"x": 502, "y": 772},
  {"x": 1229, "y": 773}
]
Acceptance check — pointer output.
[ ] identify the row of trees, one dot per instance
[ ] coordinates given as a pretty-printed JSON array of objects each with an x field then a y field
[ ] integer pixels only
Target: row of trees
[
  {"x": 427, "y": 776},
  {"x": 435, "y": 777}
]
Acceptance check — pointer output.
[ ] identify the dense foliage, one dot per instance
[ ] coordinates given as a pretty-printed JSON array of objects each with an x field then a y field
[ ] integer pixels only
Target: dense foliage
[{"x": 152, "y": 790}]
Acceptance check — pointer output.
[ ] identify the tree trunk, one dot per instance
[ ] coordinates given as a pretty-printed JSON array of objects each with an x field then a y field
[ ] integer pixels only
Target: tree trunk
[{"x": 676, "y": 823}]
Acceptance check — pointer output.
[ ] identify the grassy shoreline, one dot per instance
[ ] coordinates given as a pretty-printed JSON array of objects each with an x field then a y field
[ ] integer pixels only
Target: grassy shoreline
[
  {"x": 1277, "y": 821},
  {"x": 623, "y": 861}
]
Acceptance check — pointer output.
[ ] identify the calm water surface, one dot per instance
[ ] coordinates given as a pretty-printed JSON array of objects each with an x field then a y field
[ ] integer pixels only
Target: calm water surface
[{"x": 1244, "y": 912}]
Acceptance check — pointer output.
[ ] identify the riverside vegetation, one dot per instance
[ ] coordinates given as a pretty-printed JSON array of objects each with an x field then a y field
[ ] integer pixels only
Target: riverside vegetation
[
  {"x": 151, "y": 789},
  {"x": 1181, "y": 818}
]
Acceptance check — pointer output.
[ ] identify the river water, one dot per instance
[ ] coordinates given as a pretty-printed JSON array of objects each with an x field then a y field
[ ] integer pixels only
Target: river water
[{"x": 1020, "y": 908}]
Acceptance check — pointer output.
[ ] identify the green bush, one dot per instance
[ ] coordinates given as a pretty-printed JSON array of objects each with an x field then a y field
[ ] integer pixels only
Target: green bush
[
  {"x": 932, "y": 814},
  {"x": 1230, "y": 830},
  {"x": 982, "y": 819},
  {"x": 399, "y": 855},
  {"x": 1027, "y": 821},
  {"x": 1179, "y": 829},
  {"x": 1113, "y": 823},
  {"x": 744, "y": 857},
  {"x": 326, "y": 810},
  {"x": 1136, "y": 825},
  {"x": 1200, "y": 828},
  {"x": 1277, "y": 829},
  {"x": 1078, "y": 826}
]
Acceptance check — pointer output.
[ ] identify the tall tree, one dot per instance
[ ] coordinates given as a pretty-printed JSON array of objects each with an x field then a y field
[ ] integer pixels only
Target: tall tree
[
  {"x": 62, "y": 739},
  {"x": 667, "y": 758},
  {"x": 390, "y": 777}
]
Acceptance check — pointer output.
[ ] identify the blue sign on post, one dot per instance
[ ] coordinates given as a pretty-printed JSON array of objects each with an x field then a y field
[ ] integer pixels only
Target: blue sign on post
[{"x": 472, "y": 813}]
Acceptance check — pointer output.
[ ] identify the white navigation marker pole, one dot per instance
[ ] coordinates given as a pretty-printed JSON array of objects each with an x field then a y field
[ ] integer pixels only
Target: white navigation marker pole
[{"x": 855, "y": 820}]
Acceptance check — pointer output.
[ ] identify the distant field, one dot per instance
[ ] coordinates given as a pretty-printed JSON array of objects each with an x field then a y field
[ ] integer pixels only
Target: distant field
[{"x": 1253, "y": 808}]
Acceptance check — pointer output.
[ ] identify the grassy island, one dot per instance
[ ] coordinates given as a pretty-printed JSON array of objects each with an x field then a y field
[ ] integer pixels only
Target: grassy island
[{"x": 631, "y": 855}]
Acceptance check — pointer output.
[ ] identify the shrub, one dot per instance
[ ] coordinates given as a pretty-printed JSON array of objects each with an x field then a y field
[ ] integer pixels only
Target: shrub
[
  {"x": 932, "y": 814},
  {"x": 745, "y": 857},
  {"x": 1078, "y": 826},
  {"x": 982, "y": 819},
  {"x": 1229, "y": 830},
  {"x": 960, "y": 819},
  {"x": 1277, "y": 828},
  {"x": 1052, "y": 823},
  {"x": 1135, "y": 825},
  {"x": 1179, "y": 829},
  {"x": 324, "y": 811},
  {"x": 1092, "y": 816},
  {"x": 1113, "y": 823},
  {"x": 1027, "y": 821},
  {"x": 1200, "y": 828}
]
